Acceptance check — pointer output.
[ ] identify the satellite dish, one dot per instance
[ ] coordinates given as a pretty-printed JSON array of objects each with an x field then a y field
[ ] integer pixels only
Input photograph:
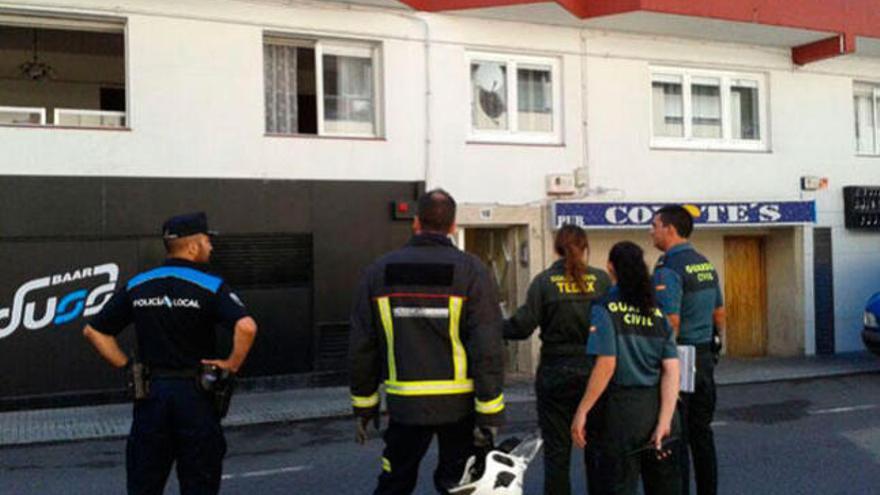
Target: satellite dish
[{"x": 490, "y": 79}]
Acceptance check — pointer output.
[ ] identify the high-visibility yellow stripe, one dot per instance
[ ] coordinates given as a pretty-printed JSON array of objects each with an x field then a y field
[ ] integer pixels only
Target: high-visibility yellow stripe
[
  {"x": 386, "y": 465},
  {"x": 432, "y": 387},
  {"x": 388, "y": 325},
  {"x": 493, "y": 406},
  {"x": 370, "y": 401},
  {"x": 459, "y": 357}
]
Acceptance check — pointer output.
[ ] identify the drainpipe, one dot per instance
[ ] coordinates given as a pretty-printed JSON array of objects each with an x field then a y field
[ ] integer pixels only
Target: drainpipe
[
  {"x": 428, "y": 164},
  {"x": 584, "y": 185},
  {"x": 585, "y": 163}
]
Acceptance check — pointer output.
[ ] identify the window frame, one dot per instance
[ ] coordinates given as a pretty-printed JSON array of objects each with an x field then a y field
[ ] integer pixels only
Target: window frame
[
  {"x": 726, "y": 142},
  {"x": 77, "y": 23},
  {"x": 512, "y": 134},
  {"x": 332, "y": 46},
  {"x": 874, "y": 89}
]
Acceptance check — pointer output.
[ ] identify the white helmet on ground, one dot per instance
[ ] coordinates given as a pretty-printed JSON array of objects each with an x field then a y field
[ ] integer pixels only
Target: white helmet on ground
[{"x": 503, "y": 469}]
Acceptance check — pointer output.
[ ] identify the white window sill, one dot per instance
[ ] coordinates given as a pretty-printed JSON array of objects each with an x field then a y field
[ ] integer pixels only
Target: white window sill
[
  {"x": 515, "y": 139},
  {"x": 868, "y": 155},
  {"x": 354, "y": 137},
  {"x": 709, "y": 145},
  {"x": 67, "y": 127}
]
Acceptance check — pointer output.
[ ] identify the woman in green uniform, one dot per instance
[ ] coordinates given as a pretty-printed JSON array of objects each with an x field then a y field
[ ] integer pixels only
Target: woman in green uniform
[
  {"x": 637, "y": 369},
  {"x": 559, "y": 302}
]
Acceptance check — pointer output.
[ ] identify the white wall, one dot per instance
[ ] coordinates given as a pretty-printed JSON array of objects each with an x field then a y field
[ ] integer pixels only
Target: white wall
[
  {"x": 195, "y": 82},
  {"x": 811, "y": 133}
]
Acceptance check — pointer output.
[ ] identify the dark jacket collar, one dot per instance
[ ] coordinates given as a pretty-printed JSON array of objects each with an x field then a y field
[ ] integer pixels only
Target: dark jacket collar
[{"x": 429, "y": 239}]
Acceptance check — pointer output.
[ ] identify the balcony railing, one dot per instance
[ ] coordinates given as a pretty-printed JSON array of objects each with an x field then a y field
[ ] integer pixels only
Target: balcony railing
[
  {"x": 22, "y": 115},
  {"x": 71, "y": 117},
  {"x": 62, "y": 117}
]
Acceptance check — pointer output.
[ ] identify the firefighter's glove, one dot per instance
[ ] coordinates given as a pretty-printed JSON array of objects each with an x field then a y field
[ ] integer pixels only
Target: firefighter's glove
[
  {"x": 484, "y": 437},
  {"x": 362, "y": 424}
]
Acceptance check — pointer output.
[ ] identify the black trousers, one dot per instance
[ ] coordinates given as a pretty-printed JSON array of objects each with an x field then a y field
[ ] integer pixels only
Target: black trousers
[
  {"x": 177, "y": 423},
  {"x": 405, "y": 445},
  {"x": 697, "y": 410},
  {"x": 559, "y": 386},
  {"x": 630, "y": 419}
]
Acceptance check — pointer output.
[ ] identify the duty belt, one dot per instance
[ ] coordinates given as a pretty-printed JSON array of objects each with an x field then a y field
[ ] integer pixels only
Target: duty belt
[
  {"x": 174, "y": 373},
  {"x": 563, "y": 350}
]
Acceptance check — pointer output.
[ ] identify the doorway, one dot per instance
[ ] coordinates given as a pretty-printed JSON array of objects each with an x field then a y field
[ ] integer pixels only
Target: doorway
[
  {"x": 745, "y": 295},
  {"x": 496, "y": 247}
]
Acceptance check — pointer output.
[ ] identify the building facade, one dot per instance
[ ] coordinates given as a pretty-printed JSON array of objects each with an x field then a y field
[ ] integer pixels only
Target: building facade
[{"x": 306, "y": 128}]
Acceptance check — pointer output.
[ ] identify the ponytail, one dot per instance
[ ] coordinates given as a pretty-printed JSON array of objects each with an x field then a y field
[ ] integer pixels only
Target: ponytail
[
  {"x": 633, "y": 279},
  {"x": 570, "y": 244}
]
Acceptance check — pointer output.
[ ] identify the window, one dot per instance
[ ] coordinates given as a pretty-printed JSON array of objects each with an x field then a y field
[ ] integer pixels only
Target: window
[
  {"x": 496, "y": 81},
  {"x": 62, "y": 72},
  {"x": 866, "y": 99},
  {"x": 320, "y": 87},
  {"x": 707, "y": 109}
]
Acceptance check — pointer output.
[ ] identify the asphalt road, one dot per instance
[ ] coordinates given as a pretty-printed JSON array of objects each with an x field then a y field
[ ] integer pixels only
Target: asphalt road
[{"x": 808, "y": 437}]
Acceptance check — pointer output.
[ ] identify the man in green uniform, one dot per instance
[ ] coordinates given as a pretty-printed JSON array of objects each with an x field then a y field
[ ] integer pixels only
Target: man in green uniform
[
  {"x": 689, "y": 294},
  {"x": 559, "y": 302}
]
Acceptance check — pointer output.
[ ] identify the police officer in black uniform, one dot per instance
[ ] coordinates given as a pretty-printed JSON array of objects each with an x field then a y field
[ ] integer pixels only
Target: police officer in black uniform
[
  {"x": 638, "y": 363},
  {"x": 689, "y": 294},
  {"x": 175, "y": 309},
  {"x": 426, "y": 321},
  {"x": 558, "y": 301}
]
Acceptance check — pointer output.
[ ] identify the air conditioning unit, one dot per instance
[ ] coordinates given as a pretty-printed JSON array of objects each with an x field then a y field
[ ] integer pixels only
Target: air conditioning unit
[{"x": 560, "y": 185}]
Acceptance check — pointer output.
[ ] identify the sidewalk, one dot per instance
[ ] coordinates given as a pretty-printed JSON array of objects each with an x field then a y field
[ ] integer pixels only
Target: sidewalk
[{"x": 113, "y": 421}]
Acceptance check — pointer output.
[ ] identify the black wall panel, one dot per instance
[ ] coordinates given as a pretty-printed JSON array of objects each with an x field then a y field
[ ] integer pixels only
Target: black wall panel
[
  {"x": 58, "y": 226},
  {"x": 823, "y": 288}
]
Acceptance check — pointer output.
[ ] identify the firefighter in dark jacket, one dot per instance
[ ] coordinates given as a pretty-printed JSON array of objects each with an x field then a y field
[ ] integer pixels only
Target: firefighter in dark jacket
[
  {"x": 559, "y": 301},
  {"x": 427, "y": 323}
]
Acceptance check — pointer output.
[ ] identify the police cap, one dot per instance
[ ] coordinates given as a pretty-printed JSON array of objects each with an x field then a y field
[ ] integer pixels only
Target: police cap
[{"x": 186, "y": 225}]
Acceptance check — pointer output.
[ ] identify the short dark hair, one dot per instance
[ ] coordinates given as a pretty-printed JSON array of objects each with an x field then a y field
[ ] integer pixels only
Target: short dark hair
[
  {"x": 436, "y": 210},
  {"x": 678, "y": 217},
  {"x": 175, "y": 245}
]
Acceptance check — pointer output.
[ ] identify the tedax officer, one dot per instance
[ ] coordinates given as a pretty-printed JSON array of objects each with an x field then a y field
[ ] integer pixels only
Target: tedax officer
[
  {"x": 175, "y": 309},
  {"x": 689, "y": 294},
  {"x": 426, "y": 322},
  {"x": 637, "y": 369},
  {"x": 559, "y": 301}
]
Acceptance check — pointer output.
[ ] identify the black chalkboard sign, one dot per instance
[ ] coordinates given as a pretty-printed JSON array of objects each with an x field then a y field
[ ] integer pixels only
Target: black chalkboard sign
[{"x": 861, "y": 207}]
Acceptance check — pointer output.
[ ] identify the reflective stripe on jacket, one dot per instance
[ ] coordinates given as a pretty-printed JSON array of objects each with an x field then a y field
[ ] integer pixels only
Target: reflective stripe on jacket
[{"x": 426, "y": 324}]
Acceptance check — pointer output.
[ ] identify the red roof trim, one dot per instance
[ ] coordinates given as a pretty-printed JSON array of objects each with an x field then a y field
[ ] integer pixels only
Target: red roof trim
[
  {"x": 823, "y": 49},
  {"x": 852, "y": 17}
]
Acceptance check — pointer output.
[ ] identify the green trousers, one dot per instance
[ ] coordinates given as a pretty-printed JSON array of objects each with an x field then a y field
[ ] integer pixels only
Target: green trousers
[
  {"x": 629, "y": 420},
  {"x": 559, "y": 386}
]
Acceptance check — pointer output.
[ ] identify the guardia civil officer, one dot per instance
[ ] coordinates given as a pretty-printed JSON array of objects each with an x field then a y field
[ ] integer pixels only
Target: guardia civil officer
[
  {"x": 559, "y": 301},
  {"x": 175, "y": 309},
  {"x": 689, "y": 294},
  {"x": 426, "y": 322},
  {"x": 637, "y": 368}
]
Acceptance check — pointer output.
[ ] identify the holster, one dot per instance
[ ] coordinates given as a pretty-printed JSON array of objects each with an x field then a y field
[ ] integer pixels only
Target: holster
[
  {"x": 219, "y": 385},
  {"x": 138, "y": 381}
]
